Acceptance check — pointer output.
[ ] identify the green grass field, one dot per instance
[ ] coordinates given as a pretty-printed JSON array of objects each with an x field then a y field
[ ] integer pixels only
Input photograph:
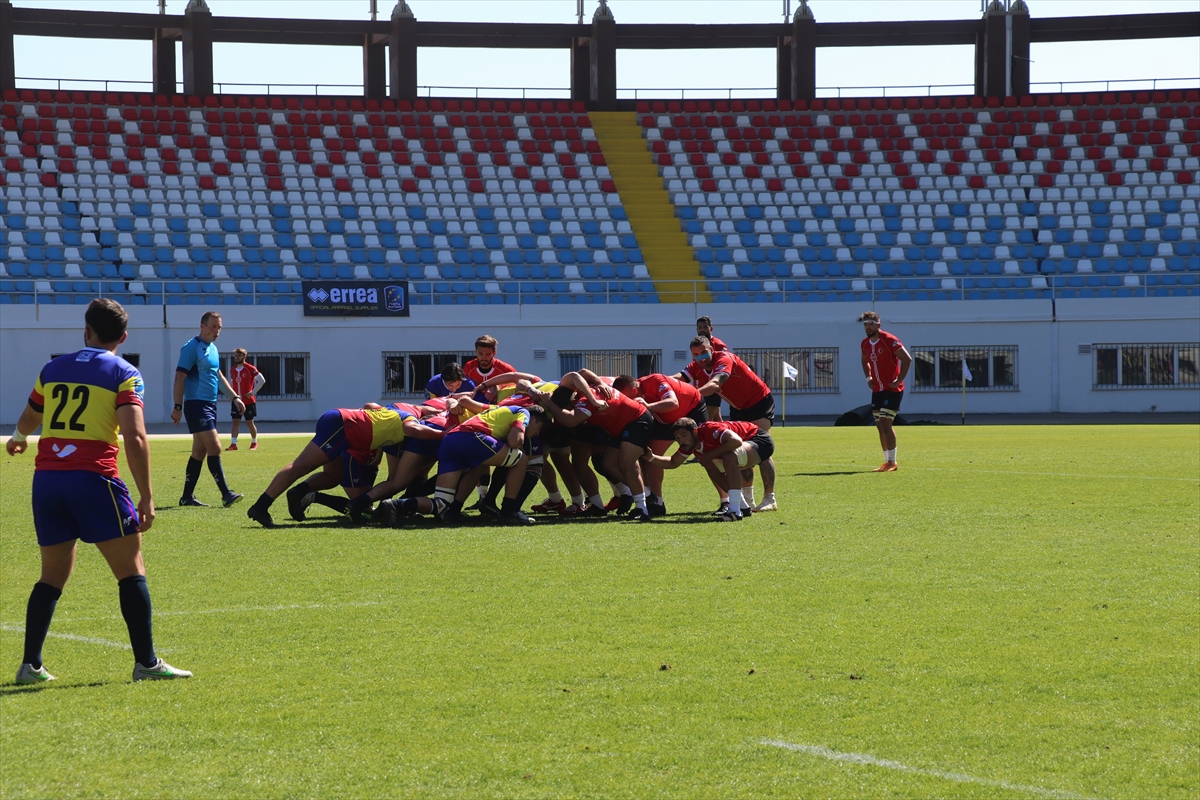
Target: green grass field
[{"x": 1016, "y": 613}]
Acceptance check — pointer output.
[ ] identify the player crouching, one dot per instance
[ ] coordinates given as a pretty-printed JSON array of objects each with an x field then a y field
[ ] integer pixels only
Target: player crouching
[{"x": 728, "y": 450}]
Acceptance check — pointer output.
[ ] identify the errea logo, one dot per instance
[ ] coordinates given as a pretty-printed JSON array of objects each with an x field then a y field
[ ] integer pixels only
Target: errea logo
[{"x": 318, "y": 295}]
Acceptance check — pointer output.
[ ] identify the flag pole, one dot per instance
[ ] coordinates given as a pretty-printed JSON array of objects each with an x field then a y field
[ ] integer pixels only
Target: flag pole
[{"x": 964, "y": 392}]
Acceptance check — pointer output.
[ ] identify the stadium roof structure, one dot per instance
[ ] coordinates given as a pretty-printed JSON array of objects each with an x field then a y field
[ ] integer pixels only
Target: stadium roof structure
[{"x": 1001, "y": 38}]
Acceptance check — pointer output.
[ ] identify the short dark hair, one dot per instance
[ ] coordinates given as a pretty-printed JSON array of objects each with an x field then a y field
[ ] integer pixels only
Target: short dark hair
[
  {"x": 623, "y": 382},
  {"x": 701, "y": 341},
  {"x": 684, "y": 424},
  {"x": 563, "y": 396},
  {"x": 869, "y": 316},
  {"x": 452, "y": 372},
  {"x": 209, "y": 315},
  {"x": 538, "y": 413},
  {"x": 705, "y": 321},
  {"x": 107, "y": 320},
  {"x": 486, "y": 341}
]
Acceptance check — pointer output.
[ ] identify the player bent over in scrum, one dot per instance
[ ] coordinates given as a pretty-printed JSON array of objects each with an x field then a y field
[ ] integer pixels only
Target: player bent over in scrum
[
  {"x": 734, "y": 448},
  {"x": 494, "y": 438},
  {"x": 339, "y": 431}
]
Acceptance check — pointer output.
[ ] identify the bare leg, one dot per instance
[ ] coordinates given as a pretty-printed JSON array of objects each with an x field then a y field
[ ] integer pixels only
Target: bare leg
[
  {"x": 767, "y": 470},
  {"x": 124, "y": 556},
  {"x": 628, "y": 461},
  {"x": 562, "y": 462},
  {"x": 887, "y": 434},
  {"x": 250, "y": 426},
  {"x": 233, "y": 429},
  {"x": 58, "y": 561},
  {"x": 309, "y": 459},
  {"x": 581, "y": 454}
]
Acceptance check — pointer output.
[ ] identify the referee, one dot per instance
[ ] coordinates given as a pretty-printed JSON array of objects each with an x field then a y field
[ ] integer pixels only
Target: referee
[{"x": 197, "y": 379}]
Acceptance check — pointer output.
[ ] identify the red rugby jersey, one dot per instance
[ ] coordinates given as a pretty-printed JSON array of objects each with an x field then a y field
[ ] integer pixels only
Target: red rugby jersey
[
  {"x": 621, "y": 411},
  {"x": 242, "y": 380},
  {"x": 717, "y": 345},
  {"x": 885, "y": 367},
  {"x": 743, "y": 388},
  {"x": 709, "y": 434},
  {"x": 655, "y": 387},
  {"x": 471, "y": 370}
]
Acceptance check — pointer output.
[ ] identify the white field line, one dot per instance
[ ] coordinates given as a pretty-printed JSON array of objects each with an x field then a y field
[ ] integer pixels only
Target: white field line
[
  {"x": 907, "y": 468},
  {"x": 72, "y": 637},
  {"x": 872, "y": 761},
  {"x": 243, "y": 610}
]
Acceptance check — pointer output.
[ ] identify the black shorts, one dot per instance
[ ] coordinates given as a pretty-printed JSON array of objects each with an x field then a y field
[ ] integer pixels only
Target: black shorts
[
  {"x": 764, "y": 445},
  {"x": 662, "y": 431},
  {"x": 556, "y": 437},
  {"x": 594, "y": 436},
  {"x": 886, "y": 404},
  {"x": 763, "y": 409},
  {"x": 637, "y": 432},
  {"x": 201, "y": 415},
  {"x": 250, "y": 413},
  {"x": 712, "y": 401}
]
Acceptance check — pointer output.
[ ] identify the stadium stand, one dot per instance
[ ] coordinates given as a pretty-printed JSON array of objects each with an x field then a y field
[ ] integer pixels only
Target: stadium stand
[
  {"x": 936, "y": 198},
  {"x": 236, "y": 199},
  {"x": 233, "y": 200}
]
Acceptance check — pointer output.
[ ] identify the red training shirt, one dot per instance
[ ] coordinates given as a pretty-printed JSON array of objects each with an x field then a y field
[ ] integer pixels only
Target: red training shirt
[
  {"x": 621, "y": 411},
  {"x": 242, "y": 380},
  {"x": 743, "y": 388},
  {"x": 709, "y": 434},
  {"x": 471, "y": 370},
  {"x": 885, "y": 367},
  {"x": 655, "y": 387}
]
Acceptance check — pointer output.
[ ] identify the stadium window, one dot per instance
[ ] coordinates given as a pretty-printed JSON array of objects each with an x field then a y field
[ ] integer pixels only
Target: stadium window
[
  {"x": 610, "y": 363},
  {"x": 286, "y": 374},
  {"x": 940, "y": 369},
  {"x": 1146, "y": 366},
  {"x": 405, "y": 374},
  {"x": 816, "y": 368}
]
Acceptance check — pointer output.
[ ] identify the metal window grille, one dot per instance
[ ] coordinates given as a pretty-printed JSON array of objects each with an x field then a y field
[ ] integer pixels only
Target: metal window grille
[
  {"x": 286, "y": 374},
  {"x": 611, "y": 362},
  {"x": 816, "y": 368},
  {"x": 1146, "y": 366},
  {"x": 940, "y": 369},
  {"x": 405, "y": 374}
]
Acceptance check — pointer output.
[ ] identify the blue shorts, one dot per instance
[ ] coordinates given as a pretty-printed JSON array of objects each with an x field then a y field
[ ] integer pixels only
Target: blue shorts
[
  {"x": 330, "y": 435},
  {"x": 426, "y": 448},
  {"x": 356, "y": 474},
  {"x": 465, "y": 450},
  {"x": 201, "y": 415},
  {"x": 76, "y": 504}
]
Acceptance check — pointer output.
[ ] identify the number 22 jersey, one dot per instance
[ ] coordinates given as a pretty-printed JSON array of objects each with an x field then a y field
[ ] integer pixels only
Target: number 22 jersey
[{"x": 79, "y": 394}]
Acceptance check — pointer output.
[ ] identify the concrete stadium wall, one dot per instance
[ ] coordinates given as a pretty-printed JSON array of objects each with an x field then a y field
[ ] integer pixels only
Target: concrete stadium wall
[{"x": 346, "y": 366}]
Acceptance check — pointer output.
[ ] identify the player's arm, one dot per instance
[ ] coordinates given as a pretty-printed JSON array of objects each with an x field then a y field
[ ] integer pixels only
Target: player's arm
[
  {"x": 516, "y": 436},
  {"x": 866, "y": 366},
  {"x": 671, "y": 462},
  {"x": 177, "y": 394},
  {"x": 905, "y": 359},
  {"x": 228, "y": 387},
  {"x": 582, "y": 385},
  {"x": 506, "y": 378},
  {"x": 730, "y": 442},
  {"x": 714, "y": 384},
  {"x": 469, "y": 403},
  {"x": 259, "y": 382},
  {"x": 592, "y": 378},
  {"x": 571, "y": 418},
  {"x": 668, "y": 403},
  {"x": 137, "y": 454},
  {"x": 30, "y": 419},
  {"x": 416, "y": 430}
]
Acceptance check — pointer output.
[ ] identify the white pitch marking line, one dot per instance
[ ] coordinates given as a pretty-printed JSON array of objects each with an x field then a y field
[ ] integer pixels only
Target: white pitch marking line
[
  {"x": 72, "y": 637},
  {"x": 245, "y": 609},
  {"x": 869, "y": 760}
]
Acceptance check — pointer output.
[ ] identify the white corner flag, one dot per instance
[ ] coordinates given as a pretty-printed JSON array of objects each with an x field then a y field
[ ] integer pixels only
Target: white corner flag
[
  {"x": 789, "y": 372},
  {"x": 967, "y": 370}
]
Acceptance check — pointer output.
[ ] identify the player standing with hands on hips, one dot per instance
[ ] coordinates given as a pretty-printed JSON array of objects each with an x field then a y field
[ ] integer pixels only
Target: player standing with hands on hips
[
  {"x": 196, "y": 387},
  {"x": 246, "y": 380},
  {"x": 885, "y": 362},
  {"x": 77, "y": 492}
]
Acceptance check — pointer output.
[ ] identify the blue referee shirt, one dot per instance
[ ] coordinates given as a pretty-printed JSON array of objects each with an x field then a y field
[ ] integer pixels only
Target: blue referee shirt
[{"x": 200, "y": 361}]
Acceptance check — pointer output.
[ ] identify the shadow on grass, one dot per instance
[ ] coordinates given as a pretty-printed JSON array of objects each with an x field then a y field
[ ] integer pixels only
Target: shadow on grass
[
  {"x": 16, "y": 689},
  {"x": 829, "y": 474}
]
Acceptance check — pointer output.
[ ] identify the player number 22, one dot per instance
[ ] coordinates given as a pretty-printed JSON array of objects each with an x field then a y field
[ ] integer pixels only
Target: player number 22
[{"x": 80, "y": 395}]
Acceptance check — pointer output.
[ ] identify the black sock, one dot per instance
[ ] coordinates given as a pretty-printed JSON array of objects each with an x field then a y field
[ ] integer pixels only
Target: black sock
[
  {"x": 193, "y": 475},
  {"x": 497, "y": 484},
  {"x": 410, "y": 505},
  {"x": 264, "y": 501},
  {"x": 135, "y": 608},
  {"x": 38, "y": 613},
  {"x": 302, "y": 488},
  {"x": 218, "y": 473},
  {"x": 510, "y": 505},
  {"x": 423, "y": 488},
  {"x": 527, "y": 486},
  {"x": 338, "y": 504}
]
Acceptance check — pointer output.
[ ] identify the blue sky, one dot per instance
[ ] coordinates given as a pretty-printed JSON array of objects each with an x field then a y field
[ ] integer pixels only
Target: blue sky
[{"x": 737, "y": 69}]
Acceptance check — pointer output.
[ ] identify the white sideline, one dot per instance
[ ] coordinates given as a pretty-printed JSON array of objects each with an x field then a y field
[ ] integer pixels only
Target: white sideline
[
  {"x": 869, "y": 760},
  {"x": 72, "y": 637}
]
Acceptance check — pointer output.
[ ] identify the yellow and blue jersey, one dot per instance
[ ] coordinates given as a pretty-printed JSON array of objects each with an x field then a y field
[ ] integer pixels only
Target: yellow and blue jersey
[
  {"x": 497, "y": 421},
  {"x": 79, "y": 394},
  {"x": 507, "y": 395}
]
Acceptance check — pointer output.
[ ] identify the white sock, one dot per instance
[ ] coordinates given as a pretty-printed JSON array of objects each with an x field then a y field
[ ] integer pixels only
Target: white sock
[
  {"x": 639, "y": 500},
  {"x": 622, "y": 489},
  {"x": 735, "y": 501},
  {"x": 769, "y": 497},
  {"x": 253, "y": 440},
  {"x": 233, "y": 440},
  {"x": 482, "y": 491},
  {"x": 890, "y": 455},
  {"x": 596, "y": 501},
  {"x": 555, "y": 497},
  {"x": 748, "y": 496},
  {"x": 579, "y": 499}
]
